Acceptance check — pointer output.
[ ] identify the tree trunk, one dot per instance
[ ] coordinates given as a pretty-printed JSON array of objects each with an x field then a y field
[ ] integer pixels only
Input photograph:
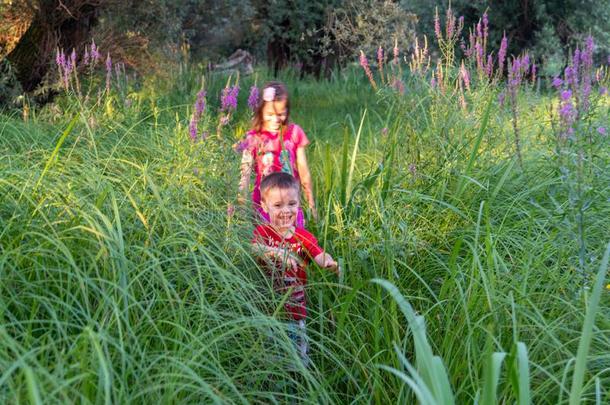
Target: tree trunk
[{"x": 57, "y": 24}]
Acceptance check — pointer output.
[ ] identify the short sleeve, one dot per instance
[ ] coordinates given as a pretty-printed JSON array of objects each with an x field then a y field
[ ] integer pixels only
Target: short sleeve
[
  {"x": 258, "y": 235},
  {"x": 310, "y": 243},
  {"x": 298, "y": 136}
]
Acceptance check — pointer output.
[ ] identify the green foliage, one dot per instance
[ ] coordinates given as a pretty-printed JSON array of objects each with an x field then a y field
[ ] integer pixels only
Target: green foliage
[
  {"x": 549, "y": 29},
  {"x": 123, "y": 280},
  {"x": 10, "y": 89}
]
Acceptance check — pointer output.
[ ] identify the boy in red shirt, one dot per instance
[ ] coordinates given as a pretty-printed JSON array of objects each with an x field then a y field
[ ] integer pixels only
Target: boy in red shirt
[{"x": 287, "y": 249}]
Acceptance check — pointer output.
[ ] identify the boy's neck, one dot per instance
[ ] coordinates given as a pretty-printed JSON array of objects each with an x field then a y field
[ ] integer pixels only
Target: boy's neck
[{"x": 285, "y": 232}]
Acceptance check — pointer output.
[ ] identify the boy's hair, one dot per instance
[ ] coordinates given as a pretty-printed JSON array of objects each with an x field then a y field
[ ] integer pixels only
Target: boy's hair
[
  {"x": 280, "y": 93},
  {"x": 279, "y": 180}
]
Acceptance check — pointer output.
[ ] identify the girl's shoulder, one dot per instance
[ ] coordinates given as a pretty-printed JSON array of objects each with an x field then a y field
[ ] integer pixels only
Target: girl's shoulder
[{"x": 297, "y": 135}]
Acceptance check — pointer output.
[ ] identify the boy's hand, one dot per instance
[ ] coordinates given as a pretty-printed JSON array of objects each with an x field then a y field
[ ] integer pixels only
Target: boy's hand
[{"x": 325, "y": 261}]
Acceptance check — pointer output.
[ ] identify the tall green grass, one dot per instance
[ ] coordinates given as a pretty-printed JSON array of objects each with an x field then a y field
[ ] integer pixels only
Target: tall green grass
[{"x": 123, "y": 280}]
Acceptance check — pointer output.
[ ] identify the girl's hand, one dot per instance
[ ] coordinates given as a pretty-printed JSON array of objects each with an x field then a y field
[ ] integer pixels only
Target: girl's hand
[{"x": 314, "y": 213}]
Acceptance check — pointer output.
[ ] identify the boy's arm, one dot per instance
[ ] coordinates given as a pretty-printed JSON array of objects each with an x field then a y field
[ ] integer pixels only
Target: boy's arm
[{"x": 267, "y": 252}]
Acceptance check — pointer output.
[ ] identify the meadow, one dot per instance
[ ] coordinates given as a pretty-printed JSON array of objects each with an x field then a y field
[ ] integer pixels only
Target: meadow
[{"x": 471, "y": 224}]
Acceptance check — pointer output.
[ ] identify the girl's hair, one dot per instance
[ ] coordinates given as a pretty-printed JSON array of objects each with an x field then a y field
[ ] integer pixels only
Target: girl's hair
[{"x": 278, "y": 92}]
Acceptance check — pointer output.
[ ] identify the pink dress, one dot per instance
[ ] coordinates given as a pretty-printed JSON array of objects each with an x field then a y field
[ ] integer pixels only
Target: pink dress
[{"x": 265, "y": 150}]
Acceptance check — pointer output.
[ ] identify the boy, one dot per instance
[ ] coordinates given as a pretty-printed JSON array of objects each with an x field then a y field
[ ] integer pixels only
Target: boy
[{"x": 287, "y": 250}]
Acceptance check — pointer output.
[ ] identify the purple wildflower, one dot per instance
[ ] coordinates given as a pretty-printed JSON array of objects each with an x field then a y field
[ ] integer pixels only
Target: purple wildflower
[
  {"x": 240, "y": 146},
  {"x": 200, "y": 103},
  {"x": 193, "y": 129},
  {"x": 228, "y": 99},
  {"x": 253, "y": 98},
  {"x": 95, "y": 52},
  {"x": 567, "y": 112},
  {"x": 587, "y": 55},
  {"x": 108, "y": 71},
  {"x": 86, "y": 57},
  {"x": 73, "y": 58},
  {"x": 60, "y": 58},
  {"x": 601, "y": 131},
  {"x": 384, "y": 131},
  {"x": 557, "y": 82},
  {"x": 449, "y": 24},
  {"x": 570, "y": 76},
  {"x": 489, "y": 66},
  {"x": 437, "y": 26},
  {"x": 363, "y": 61},
  {"x": 502, "y": 53},
  {"x": 380, "y": 55},
  {"x": 485, "y": 26},
  {"x": 433, "y": 82},
  {"x": 565, "y": 95},
  {"x": 365, "y": 65}
]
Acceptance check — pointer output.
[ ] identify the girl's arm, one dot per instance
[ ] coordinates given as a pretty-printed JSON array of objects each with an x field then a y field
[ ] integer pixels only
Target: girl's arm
[
  {"x": 305, "y": 177},
  {"x": 246, "y": 172}
]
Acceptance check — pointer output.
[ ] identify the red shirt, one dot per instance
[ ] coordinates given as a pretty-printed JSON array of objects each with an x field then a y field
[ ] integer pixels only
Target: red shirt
[{"x": 301, "y": 244}]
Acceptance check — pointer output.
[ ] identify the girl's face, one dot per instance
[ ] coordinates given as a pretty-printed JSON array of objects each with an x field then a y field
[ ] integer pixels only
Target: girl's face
[{"x": 274, "y": 115}]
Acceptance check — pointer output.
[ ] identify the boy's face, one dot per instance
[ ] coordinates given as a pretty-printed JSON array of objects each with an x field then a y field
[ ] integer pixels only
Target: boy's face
[
  {"x": 282, "y": 205},
  {"x": 274, "y": 115}
]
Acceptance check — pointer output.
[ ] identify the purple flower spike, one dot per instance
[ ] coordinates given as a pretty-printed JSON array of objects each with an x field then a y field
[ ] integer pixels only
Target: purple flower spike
[
  {"x": 363, "y": 61},
  {"x": 566, "y": 94},
  {"x": 60, "y": 59},
  {"x": 437, "y": 27},
  {"x": 489, "y": 66},
  {"x": 193, "y": 129},
  {"x": 200, "y": 103},
  {"x": 253, "y": 98},
  {"x": 241, "y": 146},
  {"x": 228, "y": 99},
  {"x": 502, "y": 53},
  {"x": 601, "y": 131},
  {"x": 557, "y": 82},
  {"x": 108, "y": 71},
  {"x": 95, "y": 54}
]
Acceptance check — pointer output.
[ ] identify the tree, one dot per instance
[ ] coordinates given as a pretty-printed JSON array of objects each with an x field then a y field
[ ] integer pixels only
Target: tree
[{"x": 55, "y": 24}]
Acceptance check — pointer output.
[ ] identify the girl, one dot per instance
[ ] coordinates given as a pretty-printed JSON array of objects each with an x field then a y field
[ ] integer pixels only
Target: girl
[{"x": 274, "y": 144}]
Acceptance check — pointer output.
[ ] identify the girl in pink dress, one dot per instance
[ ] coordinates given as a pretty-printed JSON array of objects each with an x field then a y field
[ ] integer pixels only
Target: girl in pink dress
[{"x": 274, "y": 144}]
